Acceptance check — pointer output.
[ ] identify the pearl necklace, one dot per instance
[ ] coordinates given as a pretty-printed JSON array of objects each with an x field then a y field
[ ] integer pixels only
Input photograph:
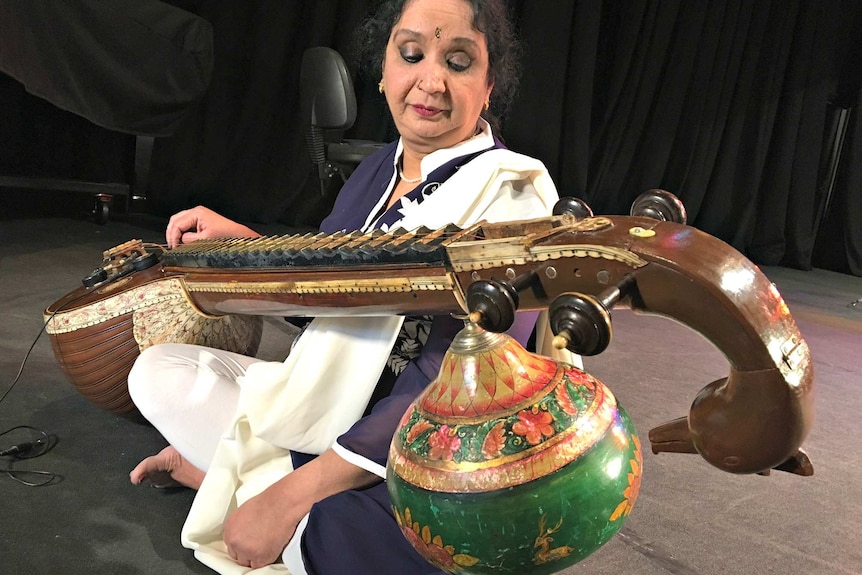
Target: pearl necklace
[{"x": 408, "y": 180}]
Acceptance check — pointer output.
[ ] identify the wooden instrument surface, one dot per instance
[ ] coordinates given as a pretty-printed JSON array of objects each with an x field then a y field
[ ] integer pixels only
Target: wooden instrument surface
[
  {"x": 680, "y": 273},
  {"x": 668, "y": 269}
]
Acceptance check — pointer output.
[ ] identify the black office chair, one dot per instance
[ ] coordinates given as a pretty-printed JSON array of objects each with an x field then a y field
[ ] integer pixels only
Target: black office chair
[{"x": 329, "y": 104}]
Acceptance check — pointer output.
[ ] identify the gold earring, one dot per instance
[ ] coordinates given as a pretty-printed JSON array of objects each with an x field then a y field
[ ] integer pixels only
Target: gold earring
[
  {"x": 487, "y": 105},
  {"x": 380, "y": 86}
]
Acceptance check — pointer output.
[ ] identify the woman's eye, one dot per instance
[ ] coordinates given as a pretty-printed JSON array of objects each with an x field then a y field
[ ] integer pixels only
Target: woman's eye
[
  {"x": 459, "y": 63},
  {"x": 411, "y": 57}
]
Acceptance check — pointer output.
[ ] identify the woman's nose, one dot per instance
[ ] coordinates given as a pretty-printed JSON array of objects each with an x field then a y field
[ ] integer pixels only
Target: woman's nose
[{"x": 432, "y": 81}]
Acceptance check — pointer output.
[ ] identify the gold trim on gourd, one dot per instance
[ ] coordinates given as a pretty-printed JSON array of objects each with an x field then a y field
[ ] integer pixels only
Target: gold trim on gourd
[{"x": 545, "y": 416}]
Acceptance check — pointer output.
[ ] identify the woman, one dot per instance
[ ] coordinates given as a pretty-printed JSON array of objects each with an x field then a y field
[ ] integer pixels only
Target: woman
[{"x": 442, "y": 62}]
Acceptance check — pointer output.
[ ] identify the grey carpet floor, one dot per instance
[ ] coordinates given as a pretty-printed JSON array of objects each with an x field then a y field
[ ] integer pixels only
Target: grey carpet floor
[{"x": 690, "y": 518}]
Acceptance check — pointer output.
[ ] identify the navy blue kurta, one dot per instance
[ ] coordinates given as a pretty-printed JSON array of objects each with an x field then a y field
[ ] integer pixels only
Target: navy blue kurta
[{"x": 355, "y": 532}]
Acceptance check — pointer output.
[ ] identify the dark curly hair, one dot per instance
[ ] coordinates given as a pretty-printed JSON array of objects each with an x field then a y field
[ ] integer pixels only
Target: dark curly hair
[{"x": 491, "y": 17}]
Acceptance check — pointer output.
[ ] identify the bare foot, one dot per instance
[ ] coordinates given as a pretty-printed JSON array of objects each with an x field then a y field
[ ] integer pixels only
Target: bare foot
[{"x": 167, "y": 469}]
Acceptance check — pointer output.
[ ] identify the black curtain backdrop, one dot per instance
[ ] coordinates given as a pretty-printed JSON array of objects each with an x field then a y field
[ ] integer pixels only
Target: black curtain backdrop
[{"x": 725, "y": 103}]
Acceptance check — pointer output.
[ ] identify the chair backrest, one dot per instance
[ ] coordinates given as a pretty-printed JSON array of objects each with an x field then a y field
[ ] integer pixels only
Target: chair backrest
[
  {"x": 326, "y": 90},
  {"x": 328, "y": 105}
]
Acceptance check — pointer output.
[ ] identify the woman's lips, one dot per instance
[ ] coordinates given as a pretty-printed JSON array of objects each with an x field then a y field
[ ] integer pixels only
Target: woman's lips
[{"x": 425, "y": 111}]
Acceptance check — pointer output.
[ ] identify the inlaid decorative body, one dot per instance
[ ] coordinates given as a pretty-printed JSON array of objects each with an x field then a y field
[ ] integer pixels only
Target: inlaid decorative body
[
  {"x": 97, "y": 332},
  {"x": 510, "y": 462}
]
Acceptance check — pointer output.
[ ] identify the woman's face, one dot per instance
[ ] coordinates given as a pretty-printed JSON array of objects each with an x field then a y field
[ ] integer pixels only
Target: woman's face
[{"x": 435, "y": 74}]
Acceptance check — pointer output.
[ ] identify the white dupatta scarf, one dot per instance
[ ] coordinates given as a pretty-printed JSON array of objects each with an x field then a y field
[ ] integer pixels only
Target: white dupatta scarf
[{"x": 322, "y": 388}]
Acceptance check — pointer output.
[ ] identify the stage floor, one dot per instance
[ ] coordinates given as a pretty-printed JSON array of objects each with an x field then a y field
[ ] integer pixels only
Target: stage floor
[{"x": 689, "y": 519}]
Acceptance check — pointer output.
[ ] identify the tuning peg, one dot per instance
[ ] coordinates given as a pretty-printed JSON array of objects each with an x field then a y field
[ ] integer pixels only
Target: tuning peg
[
  {"x": 568, "y": 205},
  {"x": 659, "y": 205},
  {"x": 582, "y": 322},
  {"x": 493, "y": 303}
]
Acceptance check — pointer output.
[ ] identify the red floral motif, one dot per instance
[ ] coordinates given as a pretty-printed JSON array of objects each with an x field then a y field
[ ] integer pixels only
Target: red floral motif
[
  {"x": 564, "y": 400},
  {"x": 417, "y": 430},
  {"x": 405, "y": 418},
  {"x": 494, "y": 441},
  {"x": 432, "y": 551},
  {"x": 432, "y": 547},
  {"x": 444, "y": 443},
  {"x": 534, "y": 425}
]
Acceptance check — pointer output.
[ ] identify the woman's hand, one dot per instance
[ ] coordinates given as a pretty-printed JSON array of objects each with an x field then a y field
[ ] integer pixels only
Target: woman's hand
[
  {"x": 199, "y": 223},
  {"x": 258, "y": 531}
]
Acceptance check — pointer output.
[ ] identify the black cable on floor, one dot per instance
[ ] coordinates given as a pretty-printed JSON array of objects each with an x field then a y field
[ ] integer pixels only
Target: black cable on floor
[
  {"x": 32, "y": 345},
  {"x": 37, "y": 444},
  {"x": 45, "y": 442},
  {"x": 24, "y": 361}
]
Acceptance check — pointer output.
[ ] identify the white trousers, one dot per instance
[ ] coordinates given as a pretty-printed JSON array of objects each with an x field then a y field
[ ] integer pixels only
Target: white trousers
[{"x": 190, "y": 394}]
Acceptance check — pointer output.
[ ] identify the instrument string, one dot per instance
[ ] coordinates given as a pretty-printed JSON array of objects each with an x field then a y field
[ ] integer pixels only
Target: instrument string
[
  {"x": 314, "y": 242},
  {"x": 45, "y": 442}
]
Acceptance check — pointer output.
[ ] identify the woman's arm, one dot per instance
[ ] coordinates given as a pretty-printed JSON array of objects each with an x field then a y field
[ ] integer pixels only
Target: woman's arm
[{"x": 259, "y": 530}]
